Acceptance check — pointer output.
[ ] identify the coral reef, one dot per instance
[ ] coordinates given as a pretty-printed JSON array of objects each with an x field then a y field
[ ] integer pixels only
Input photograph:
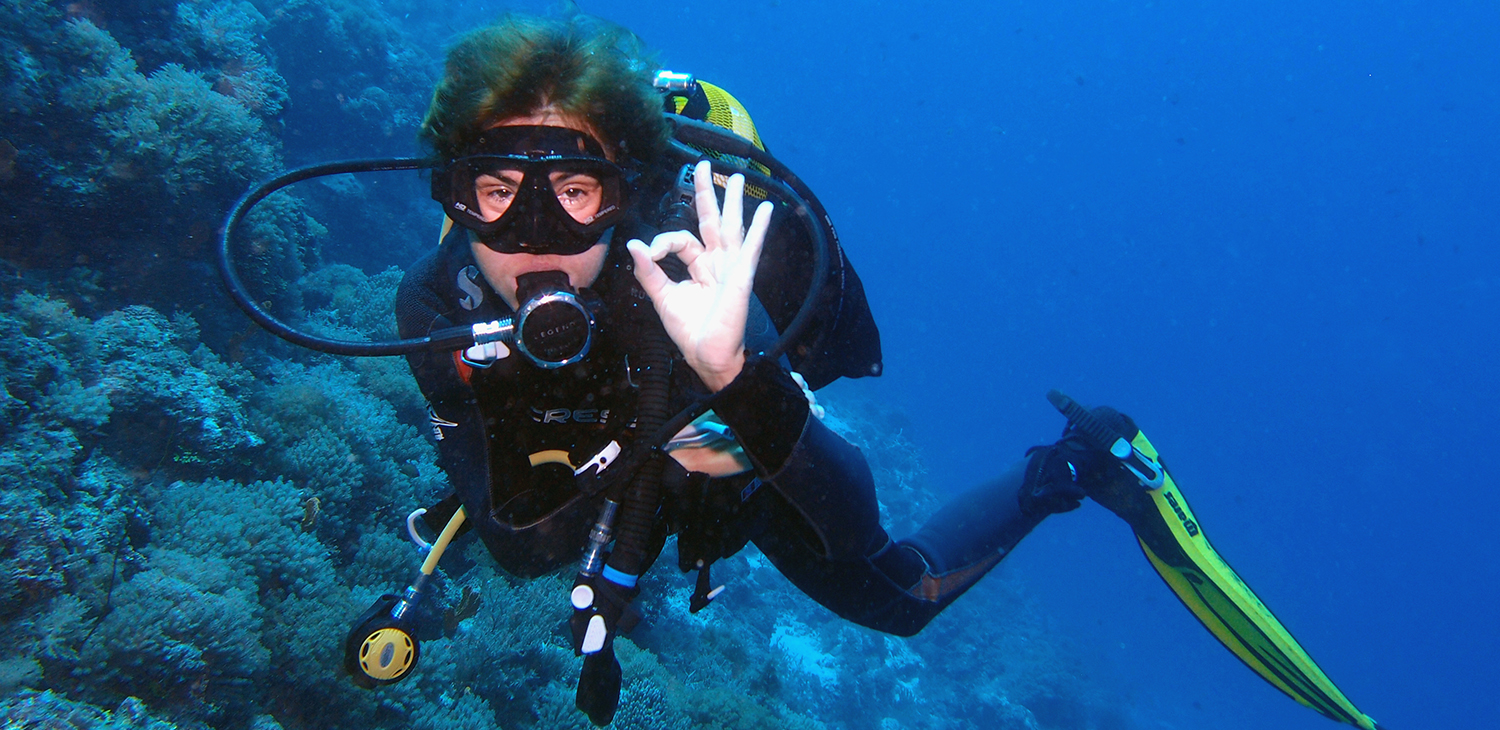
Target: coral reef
[
  {"x": 125, "y": 161},
  {"x": 128, "y": 573},
  {"x": 361, "y": 85},
  {"x": 48, "y": 711}
]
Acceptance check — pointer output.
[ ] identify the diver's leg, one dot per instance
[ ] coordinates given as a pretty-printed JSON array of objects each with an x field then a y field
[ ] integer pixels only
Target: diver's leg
[
  {"x": 870, "y": 590},
  {"x": 992, "y": 518},
  {"x": 898, "y": 587},
  {"x": 976, "y": 529},
  {"x": 980, "y": 524},
  {"x": 821, "y": 523}
]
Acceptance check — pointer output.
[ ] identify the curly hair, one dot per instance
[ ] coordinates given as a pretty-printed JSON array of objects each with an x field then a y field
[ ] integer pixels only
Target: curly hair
[{"x": 586, "y": 68}]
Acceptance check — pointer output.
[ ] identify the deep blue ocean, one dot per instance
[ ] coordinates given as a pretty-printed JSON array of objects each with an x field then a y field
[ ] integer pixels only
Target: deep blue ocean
[{"x": 1268, "y": 232}]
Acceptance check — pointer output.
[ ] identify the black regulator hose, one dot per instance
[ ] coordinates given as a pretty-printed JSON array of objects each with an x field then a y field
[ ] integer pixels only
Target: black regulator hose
[
  {"x": 807, "y": 207},
  {"x": 643, "y": 498},
  {"x": 455, "y": 338}
]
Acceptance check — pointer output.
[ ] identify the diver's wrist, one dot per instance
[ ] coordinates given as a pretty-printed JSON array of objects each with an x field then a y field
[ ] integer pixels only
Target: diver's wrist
[
  {"x": 765, "y": 410},
  {"x": 719, "y": 378}
]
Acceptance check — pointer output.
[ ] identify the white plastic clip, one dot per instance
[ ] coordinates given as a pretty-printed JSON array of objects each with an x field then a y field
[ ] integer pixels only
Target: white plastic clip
[
  {"x": 411, "y": 528},
  {"x": 593, "y": 637},
  {"x": 603, "y": 459},
  {"x": 582, "y": 597}
]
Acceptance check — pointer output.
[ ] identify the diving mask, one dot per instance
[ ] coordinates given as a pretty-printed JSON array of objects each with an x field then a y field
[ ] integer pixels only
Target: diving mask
[{"x": 531, "y": 189}]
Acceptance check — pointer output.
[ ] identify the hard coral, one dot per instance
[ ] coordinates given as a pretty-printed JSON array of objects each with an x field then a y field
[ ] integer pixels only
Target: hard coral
[
  {"x": 162, "y": 137},
  {"x": 169, "y": 401},
  {"x": 346, "y": 303},
  {"x": 32, "y": 546},
  {"x": 361, "y": 83},
  {"x": 132, "y": 379},
  {"x": 183, "y": 633},
  {"x": 50, "y": 711},
  {"x": 226, "y": 38},
  {"x": 346, "y": 447},
  {"x": 124, "y": 169}
]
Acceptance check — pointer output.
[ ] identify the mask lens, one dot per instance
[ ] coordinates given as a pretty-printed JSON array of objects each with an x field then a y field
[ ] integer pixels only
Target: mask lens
[
  {"x": 581, "y": 195},
  {"x": 494, "y": 190}
]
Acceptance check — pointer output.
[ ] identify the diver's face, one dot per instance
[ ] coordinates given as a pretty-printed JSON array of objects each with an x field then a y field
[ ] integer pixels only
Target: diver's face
[{"x": 580, "y": 196}]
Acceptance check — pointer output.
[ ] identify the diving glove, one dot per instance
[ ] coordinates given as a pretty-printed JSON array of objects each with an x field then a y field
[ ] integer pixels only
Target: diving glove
[{"x": 1060, "y": 475}]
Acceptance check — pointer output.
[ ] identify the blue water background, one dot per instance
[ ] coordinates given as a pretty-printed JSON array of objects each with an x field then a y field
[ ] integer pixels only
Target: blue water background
[{"x": 1268, "y": 231}]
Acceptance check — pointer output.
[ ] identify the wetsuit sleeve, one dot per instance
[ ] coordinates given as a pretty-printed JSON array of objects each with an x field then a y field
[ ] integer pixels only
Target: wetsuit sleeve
[
  {"x": 453, "y": 409},
  {"x": 822, "y": 476}
]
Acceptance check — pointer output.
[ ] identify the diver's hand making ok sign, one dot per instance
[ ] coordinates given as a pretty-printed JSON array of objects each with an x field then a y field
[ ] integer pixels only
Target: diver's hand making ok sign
[{"x": 705, "y": 315}]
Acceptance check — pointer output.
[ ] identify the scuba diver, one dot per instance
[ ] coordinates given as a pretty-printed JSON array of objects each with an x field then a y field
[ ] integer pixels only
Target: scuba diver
[{"x": 612, "y": 355}]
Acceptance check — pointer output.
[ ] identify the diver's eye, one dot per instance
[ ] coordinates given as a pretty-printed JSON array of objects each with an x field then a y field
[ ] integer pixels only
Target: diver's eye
[
  {"x": 571, "y": 186},
  {"x": 494, "y": 193},
  {"x": 579, "y": 194},
  {"x": 498, "y": 193}
]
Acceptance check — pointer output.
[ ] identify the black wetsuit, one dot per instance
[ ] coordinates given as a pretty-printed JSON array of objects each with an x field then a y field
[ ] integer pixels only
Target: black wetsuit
[{"x": 809, "y": 504}]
